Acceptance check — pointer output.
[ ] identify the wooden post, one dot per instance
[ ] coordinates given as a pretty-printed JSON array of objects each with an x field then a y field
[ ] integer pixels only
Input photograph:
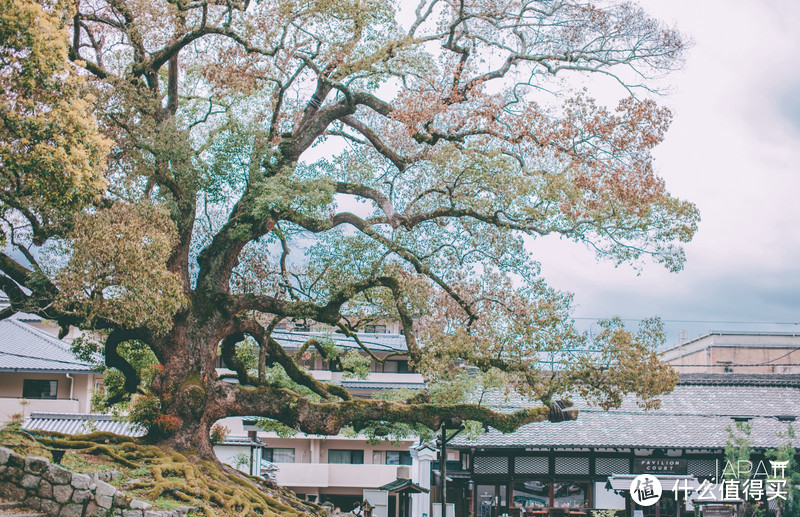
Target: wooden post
[{"x": 443, "y": 469}]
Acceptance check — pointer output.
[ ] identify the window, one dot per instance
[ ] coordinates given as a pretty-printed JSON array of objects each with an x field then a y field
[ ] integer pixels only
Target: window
[
  {"x": 398, "y": 457},
  {"x": 533, "y": 493},
  {"x": 307, "y": 361},
  {"x": 396, "y": 366},
  {"x": 278, "y": 455},
  {"x": 350, "y": 456},
  {"x": 571, "y": 494},
  {"x": 375, "y": 329},
  {"x": 38, "y": 389}
]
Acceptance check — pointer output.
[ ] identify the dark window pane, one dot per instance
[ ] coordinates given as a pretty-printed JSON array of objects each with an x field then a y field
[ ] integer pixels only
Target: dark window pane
[
  {"x": 338, "y": 456},
  {"x": 39, "y": 389},
  {"x": 349, "y": 456},
  {"x": 571, "y": 494},
  {"x": 278, "y": 455},
  {"x": 533, "y": 493},
  {"x": 398, "y": 457}
]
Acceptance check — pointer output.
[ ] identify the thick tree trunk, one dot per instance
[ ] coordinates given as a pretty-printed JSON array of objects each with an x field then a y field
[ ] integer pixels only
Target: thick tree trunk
[
  {"x": 193, "y": 436},
  {"x": 185, "y": 387}
]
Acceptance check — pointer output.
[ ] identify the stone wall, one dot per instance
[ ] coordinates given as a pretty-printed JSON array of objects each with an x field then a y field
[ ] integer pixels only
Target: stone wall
[{"x": 58, "y": 492}]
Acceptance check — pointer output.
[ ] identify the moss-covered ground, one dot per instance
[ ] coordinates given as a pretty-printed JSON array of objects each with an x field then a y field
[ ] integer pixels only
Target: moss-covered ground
[{"x": 163, "y": 477}]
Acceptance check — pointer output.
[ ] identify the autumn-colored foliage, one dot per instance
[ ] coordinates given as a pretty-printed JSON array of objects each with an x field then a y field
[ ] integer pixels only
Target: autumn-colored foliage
[
  {"x": 52, "y": 155},
  {"x": 338, "y": 162},
  {"x": 219, "y": 433}
]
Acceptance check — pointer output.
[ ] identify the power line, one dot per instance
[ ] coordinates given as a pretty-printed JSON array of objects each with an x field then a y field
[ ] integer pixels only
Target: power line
[{"x": 725, "y": 322}]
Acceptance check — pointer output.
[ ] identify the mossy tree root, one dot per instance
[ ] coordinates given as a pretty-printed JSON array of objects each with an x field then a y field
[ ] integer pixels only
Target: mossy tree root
[
  {"x": 88, "y": 448},
  {"x": 203, "y": 483}
]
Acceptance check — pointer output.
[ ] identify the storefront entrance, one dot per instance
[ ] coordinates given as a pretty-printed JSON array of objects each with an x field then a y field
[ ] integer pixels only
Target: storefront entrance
[
  {"x": 666, "y": 507},
  {"x": 670, "y": 503},
  {"x": 491, "y": 500}
]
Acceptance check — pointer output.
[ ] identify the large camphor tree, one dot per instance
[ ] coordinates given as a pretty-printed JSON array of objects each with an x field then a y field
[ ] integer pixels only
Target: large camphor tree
[{"x": 185, "y": 176}]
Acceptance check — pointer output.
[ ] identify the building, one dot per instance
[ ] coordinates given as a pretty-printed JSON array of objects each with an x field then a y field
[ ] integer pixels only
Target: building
[
  {"x": 739, "y": 352},
  {"x": 39, "y": 373},
  {"x": 571, "y": 467},
  {"x": 338, "y": 469}
]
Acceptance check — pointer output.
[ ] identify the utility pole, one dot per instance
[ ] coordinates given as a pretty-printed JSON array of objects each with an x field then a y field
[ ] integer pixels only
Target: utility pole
[{"x": 454, "y": 424}]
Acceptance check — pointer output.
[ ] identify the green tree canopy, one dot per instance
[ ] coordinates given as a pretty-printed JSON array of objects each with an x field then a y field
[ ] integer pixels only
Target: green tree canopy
[{"x": 346, "y": 161}]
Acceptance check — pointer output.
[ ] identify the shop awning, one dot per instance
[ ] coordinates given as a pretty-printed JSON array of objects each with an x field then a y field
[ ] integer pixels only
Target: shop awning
[{"x": 669, "y": 482}]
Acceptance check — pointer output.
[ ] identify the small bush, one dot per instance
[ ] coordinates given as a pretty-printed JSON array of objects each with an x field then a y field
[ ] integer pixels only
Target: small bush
[
  {"x": 145, "y": 410},
  {"x": 166, "y": 425},
  {"x": 604, "y": 513},
  {"x": 219, "y": 433}
]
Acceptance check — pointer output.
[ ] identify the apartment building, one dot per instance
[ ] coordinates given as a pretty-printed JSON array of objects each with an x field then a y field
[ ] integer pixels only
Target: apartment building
[{"x": 737, "y": 352}]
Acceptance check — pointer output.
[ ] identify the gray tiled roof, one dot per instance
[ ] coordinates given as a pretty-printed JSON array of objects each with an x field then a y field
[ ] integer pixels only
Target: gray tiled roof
[
  {"x": 375, "y": 342},
  {"x": 372, "y": 385},
  {"x": 72, "y": 423},
  {"x": 697, "y": 414},
  {"x": 28, "y": 349},
  {"x": 242, "y": 440}
]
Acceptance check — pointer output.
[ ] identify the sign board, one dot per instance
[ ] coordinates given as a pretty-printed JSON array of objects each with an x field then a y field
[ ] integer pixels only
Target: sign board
[
  {"x": 659, "y": 466},
  {"x": 718, "y": 511}
]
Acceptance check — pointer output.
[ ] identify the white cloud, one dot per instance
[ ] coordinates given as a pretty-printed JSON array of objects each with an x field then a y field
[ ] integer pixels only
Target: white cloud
[{"x": 734, "y": 150}]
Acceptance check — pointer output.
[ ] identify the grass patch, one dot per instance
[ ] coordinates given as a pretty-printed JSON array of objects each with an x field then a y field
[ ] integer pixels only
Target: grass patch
[{"x": 21, "y": 442}]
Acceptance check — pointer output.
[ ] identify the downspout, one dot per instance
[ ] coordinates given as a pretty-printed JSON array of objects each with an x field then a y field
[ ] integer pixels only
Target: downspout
[{"x": 71, "y": 385}]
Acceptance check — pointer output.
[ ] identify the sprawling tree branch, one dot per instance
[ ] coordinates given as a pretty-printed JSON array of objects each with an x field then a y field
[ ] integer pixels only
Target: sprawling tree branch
[
  {"x": 329, "y": 418},
  {"x": 114, "y": 360}
]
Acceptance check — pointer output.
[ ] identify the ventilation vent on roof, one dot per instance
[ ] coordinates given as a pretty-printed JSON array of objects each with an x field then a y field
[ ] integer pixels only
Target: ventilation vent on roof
[
  {"x": 572, "y": 465},
  {"x": 531, "y": 465},
  {"x": 705, "y": 468},
  {"x": 608, "y": 466},
  {"x": 491, "y": 465}
]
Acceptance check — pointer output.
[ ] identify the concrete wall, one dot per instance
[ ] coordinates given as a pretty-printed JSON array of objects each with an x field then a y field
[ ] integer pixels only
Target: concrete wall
[
  {"x": 301, "y": 476},
  {"x": 230, "y": 454},
  {"x": 739, "y": 353}
]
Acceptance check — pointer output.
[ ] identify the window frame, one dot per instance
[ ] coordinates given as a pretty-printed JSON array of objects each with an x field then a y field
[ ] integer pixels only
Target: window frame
[
  {"x": 28, "y": 390},
  {"x": 268, "y": 453},
  {"x": 400, "y": 457},
  {"x": 353, "y": 453}
]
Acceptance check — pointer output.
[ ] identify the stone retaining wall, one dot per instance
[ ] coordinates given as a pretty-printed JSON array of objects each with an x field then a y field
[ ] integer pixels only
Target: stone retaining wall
[{"x": 58, "y": 492}]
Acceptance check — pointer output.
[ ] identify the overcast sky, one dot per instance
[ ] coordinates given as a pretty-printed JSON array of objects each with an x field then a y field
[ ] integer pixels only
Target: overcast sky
[{"x": 734, "y": 150}]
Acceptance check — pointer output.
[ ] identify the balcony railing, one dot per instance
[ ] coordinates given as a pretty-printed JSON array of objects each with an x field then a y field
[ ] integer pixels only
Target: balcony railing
[
  {"x": 17, "y": 405},
  {"x": 335, "y": 475}
]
